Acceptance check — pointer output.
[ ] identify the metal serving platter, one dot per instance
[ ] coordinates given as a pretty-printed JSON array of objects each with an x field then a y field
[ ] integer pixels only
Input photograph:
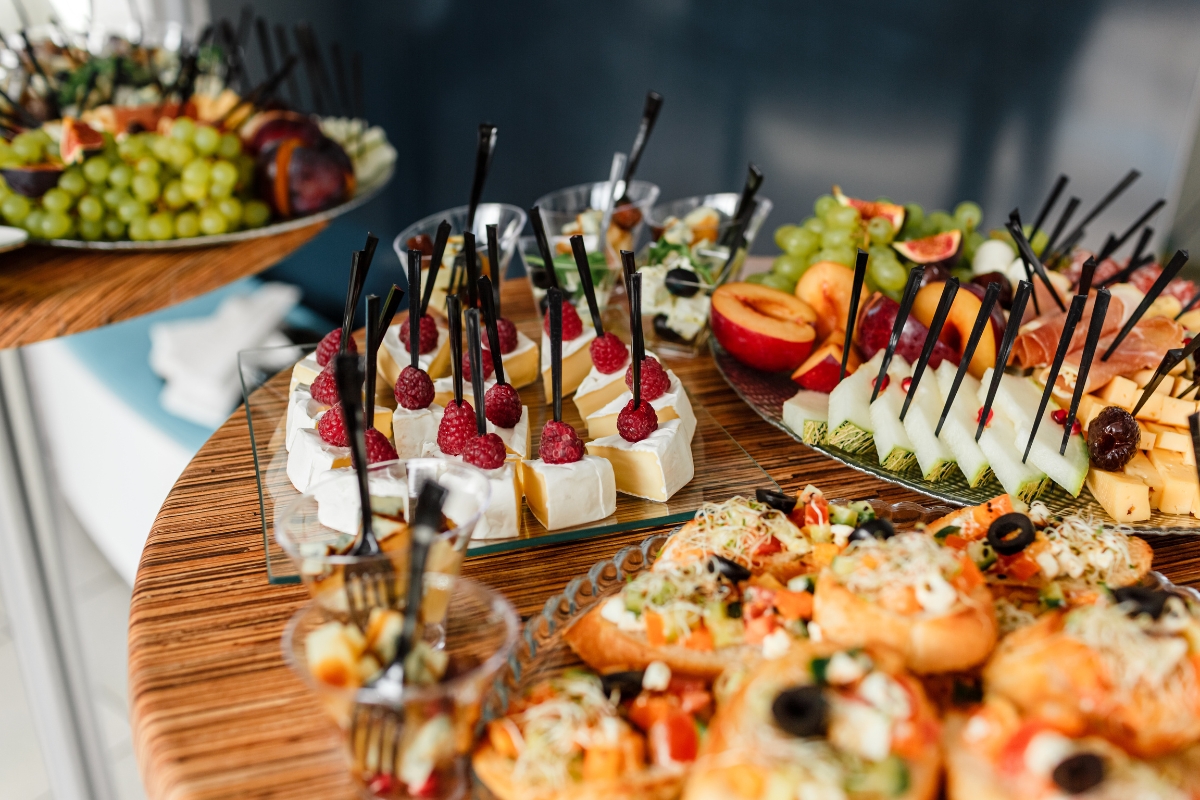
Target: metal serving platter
[{"x": 766, "y": 392}]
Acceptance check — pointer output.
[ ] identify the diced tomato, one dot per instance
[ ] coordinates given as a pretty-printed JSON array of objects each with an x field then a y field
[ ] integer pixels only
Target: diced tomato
[
  {"x": 794, "y": 605},
  {"x": 381, "y": 784},
  {"x": 759, "y": 628},
  {"x": 1019, "y": 567},
  {"x": 970, "y": 577},
  {"x": 654, "y": 629},
  {"x": 649, "y": 707},
  {"x": 823, "y": 553},
  {"x": 673, "y": 740},
  {"x": 601, "y": 763},
  {"x": 768, "y": 547},
  {"x": 816, "y": 511},
  {"x": 699, "y": 639},
  {"x": 955, "y": 542},
  {"x": 987, "y": 513},
  {"x": 1012, "y": 756}
]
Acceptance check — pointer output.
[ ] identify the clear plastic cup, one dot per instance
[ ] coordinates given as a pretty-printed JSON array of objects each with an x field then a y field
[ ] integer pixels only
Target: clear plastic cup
[
  {"x": 436, "y": 723},
  {"x": 319, "y": 527}
]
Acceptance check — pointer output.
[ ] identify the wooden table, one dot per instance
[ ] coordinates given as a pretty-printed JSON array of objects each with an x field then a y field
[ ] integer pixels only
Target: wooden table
[{"x": 217, "y": 714}]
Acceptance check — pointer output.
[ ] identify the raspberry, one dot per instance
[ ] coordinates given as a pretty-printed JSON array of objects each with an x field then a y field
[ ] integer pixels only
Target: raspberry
[
  {"x": 502, "y": 405},
  {"x": 324, "y": 388},
  {"x": 485, "y": 452},
  {"x": 488, "y": 367},
  {"x": 429, "y": 335},
  {"x": 378, "y": 447},
  {"x": 609, "y": 353},
  {"x": 635, "y": 424},
  {"x": 332, "y": 427},
  {"x": 508, "y": 335},
  {"x": 457, "y": 428},
  {"x": 329, "y": 346},
  {"x": 560, "y": 444},
  {"x": 572, "y": 324},
  {"x": 655, "y": 380},
  {"x": 414, "y": 388}
]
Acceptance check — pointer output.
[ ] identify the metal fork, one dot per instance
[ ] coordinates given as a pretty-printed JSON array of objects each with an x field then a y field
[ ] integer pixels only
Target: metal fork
[{"x": 377, "y": 727}]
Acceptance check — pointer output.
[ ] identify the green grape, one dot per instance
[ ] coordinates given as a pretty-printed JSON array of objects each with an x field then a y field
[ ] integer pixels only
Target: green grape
[
  {"x": 95, "y": 169},
  {"x": 113, "y": 198},
  {"x": 757, "y": 277},
  {"x": 148, "y": 166},
  {"x": 825, "y": 203},
  {"x": 835, "y": 238},
  {"x": 183, "y": 129},
  {"x": 130, "y": 210},
  {"x": 790, "y": 266},
  {"x": 1039, "y": 241},
  {"x": 194, "y": 192},
  {"x": 941, "y": 221},
  {"x": 224, "y": 172},
  {"x": 776, "y": 281},
  {"x": 196, "y": 171},
  {"x": 206, "y": 140},
  {"x": 113, "y": 228},
  {"x": 145, "y": 188},
  {"x": 56, "y": 225},
  {"x": 15, "y": 209},
  {"x": 28, "y": 147},
  {"x": 840, "y": 255},
  {"x": 968, "y": 215},
  {"x": 187, "y": 224},
  {"x": 218, "y": 191},
  {"x": 781, "y": 233},
  {"x": 73, "y": 182},
  {"x": 131, "y": 148},
  {"x": 57, "y": 200},
  {"x": 889, "y": 275},
  {"x": 798, "y": 241},
  {"x": 880, "y": 230},
  {"x": 139, "y": 229},
  {"x": 212, "y": 222},
  {"x": 120, "y": 176},
  {"x": 883, "y": 199},
  {"x": 815, "y": 224},
  {"x": 4, "y": 190},
  {"x": 9, "y": 158},
  {"x": 159, "y": 146},
  {"x": 33, "y": 222},
  {"x": 256, "y": 213},
  {"x": 230, "y": 146},
  {"x": 91, "y": 209},
  {"x": 173, "y": 195},
  {"x": 231, "y": 210},
  {"x": 913, "y": 215},
  {"x": 161, "y": 225},
  {"x": 971, "y": 243},
  {"x": 91, "y": 229},
  {"x": 245, "y": 167},
  {"x": 964, "y": 274},
  {"x": 179, "y": 153},
  {"x": 843, "y": 217}
]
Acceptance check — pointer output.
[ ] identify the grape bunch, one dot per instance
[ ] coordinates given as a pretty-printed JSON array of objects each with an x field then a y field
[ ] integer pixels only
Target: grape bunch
[{"x": 193, "y": 181}]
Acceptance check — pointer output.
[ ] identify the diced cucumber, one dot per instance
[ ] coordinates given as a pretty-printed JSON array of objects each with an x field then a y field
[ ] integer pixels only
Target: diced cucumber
[
  {"x": 807, "y": 413},
  {"x": 1023, "y": 481},
  {"x": 981, "y": 553},
  {"x": 887, "y": 778},
  {"x": 1051, "y": 596},
  {"x": 933, "y": 455},
  {"x": 850, "y": 426},
  {"x": 842, "y": 515},
  {"x": 725, "y": 630},
  {"x": 892, "y": 445},
  {"x": 864, "y": 509},
  {"x": 634, "y": 601},
  {"x": 958, "y": 432}
]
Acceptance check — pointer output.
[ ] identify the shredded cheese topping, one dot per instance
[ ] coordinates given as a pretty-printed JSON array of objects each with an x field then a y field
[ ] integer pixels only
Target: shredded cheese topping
[
  {"x": 911, "y": 560},
  {"x": 1010, "y": 616},
  {"x": 735, "y": 529},
  {"x": 678, "y": 596},
  {"x": 1083, "y": 548},
  {"x": 1138, "y": 651},
  {"x": 554, "y": 730}
]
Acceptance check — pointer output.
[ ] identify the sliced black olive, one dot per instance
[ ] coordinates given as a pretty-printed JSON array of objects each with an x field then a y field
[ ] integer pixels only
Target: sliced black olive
[
  {"x": 1142, "y": 600},
  {"x": 878, "y": 528},
  {"x": 664, "y": 331},
  {"x": 1010, "y": 534},
  {"x": 728, "y": 568},
  {"x": 776, "y": 500},
  {"x": 627, "y": 684},
  {"x": 801, "y": 711},
  {"x": 682, "y": 282},
  {"x": 1078, "y": 773},
  {"x": 734, "y": 610}
]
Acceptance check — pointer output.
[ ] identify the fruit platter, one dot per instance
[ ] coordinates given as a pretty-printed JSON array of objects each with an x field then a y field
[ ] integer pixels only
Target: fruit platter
[
  {"x": 141, "y": 149},
  {"x": 883, "y": 354}
]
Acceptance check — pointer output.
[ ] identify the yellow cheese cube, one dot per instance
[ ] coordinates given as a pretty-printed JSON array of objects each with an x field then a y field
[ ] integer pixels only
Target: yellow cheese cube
[
  {"x": 1169, "y": 438},
  {"x": 1151, "y": 408},
  {"x": 1142, "y": 377},
  {"x": 1089, "y": 407},
  {"x": 1179, "y": 481},
  {"x": 1175, "y": 411},
  {"x": 1143, "y": 469},
  {"x": 1182, "y": 383},
  {"x": 1148, "y": 439},
  {"x": 1124, "y": 497},
  {"x": 1119, "y": 392}
]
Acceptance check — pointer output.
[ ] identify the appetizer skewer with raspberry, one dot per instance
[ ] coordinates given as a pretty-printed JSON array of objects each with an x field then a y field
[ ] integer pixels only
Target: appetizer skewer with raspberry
[
  {"x": 609, "y": 354},
  {"x": 432, "y": 344},
  {"x": 507, "y": 417},
  {"x": 457, "y": 427},
  {"x": 576, "y": 354},
  {"x": 443, "y": 387},
  {"x": 416, "y": 418},
  {"x": 518, "y": 352},
  {"x": 564, "y": 487},
  {"x": 650, "y": 459}
]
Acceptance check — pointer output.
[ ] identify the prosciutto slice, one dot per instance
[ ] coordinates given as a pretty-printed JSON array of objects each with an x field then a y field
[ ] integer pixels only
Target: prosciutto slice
[
  {"x": 1038, "y": 340},
  {"x": 1143, "y": 348}
]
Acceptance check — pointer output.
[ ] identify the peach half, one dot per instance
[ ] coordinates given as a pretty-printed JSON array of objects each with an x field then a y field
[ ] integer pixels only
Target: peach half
[{"x": 762, "y": 327}]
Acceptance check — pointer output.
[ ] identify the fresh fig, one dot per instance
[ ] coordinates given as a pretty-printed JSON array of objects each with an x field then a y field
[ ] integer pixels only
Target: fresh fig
[
  {"x": 868, "y": 209},
  {"x": 32, "y": 181},
  {"x": 271, "y": 126},
  {"x": 297, "y": 179},
  {"x": 941, "y": 248},
  {"x": 874, "y": 329},
  {"x": 1006, "y": 294},
  {"x": 78, "y": 139}
]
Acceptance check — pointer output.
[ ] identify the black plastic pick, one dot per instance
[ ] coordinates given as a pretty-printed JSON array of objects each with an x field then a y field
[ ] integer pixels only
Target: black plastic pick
[
  {"x": 737, "y": 236},
  {"x": 349, "y": 380},
  {"x": 358, "y": 276},
  {"x": 1099, "y": 312},
  {"x": 368, "y": 253},
  {"x": 435, "y": 262},
  {"x": 650, "y": 110},
  {"x": 1195, "y": 385},
  {"x": 1051, "y": 199},
  {"x": 1166, "y": 276},
  {"x": 585, "y": 280},
  {"x": 454, "y": 318},
  {"x": 1169, "y": 361},
  {"x": 1074, "y": 313},
  {"x": 493, "y": 246},
  {"x": 628, "y": 267},
  {"x": 1135, "y": 261},
  {"x": 414, "y": 308},
  {"x": 1063, "y": 221},
  {"x": 982, "y": 321},
  {"x": 906, "y": 301},
  {"x": 860, "y": 274},
  {"x": 1112, "y": 195},
  {"x": 486, "y": 301},
  {"x": 635, "y": 323},
  {"x": 539, "y": 231},
  {"x": 754, "y": 179},
  {"x": 339, "y": 75},
  {"x": 949, "y": 290},
  {"x": 1086, "y": 273},
  {"x": 475, "y": 348},
  {"x": 372, "y": 332},
  {"x": 1014, "y": 218},
  {"x": 1115, "y": 244},
  {"x": 1031, "y": 259},
  {"x": 472, "y": 266},
  {"x": 556, "y": 334},
  {"x": 1190, "y": 304},
  {"x": 484, "y": 149},
  {"x": 1015, "y": 315}
]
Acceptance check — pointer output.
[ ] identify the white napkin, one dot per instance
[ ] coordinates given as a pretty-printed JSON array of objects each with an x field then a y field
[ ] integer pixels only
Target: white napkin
[{"x": 198, "y": 357}]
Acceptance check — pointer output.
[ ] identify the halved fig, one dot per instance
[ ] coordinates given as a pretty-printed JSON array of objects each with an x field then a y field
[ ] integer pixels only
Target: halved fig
[
  {"x": 941, "y": 248},
  {"x": 78, "y": 139},
  {"x": 868, "y": 208},
  {"x": 32, "y": 181}
]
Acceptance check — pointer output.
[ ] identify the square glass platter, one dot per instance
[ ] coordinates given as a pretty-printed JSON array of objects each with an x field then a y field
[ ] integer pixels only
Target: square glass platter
[{"x": 722, "y": 467}]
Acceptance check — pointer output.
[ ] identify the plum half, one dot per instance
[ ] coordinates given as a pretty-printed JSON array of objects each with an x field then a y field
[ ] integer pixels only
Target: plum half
[{"x": 297, "y": 179}]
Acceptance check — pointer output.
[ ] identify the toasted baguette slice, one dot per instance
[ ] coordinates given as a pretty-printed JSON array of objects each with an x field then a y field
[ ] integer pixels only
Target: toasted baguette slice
[{"x": 496, "y": 772}]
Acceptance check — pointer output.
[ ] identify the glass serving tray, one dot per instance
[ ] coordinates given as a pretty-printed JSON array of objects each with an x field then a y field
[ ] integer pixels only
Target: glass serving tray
[
  {"x": 766, "y": 392},
  {"x": 722, "y": 467}
]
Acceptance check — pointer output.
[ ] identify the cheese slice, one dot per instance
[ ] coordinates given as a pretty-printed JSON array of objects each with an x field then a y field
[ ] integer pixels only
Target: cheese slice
[
  {"x": 521, "y": 365},
  {"x": 310, "y": 458},
  {"x": 1119, "y": 391},
  {"x": 393, "y": 355},
  {"x": 412, "y": 429},
  {"x": 1123, "y": 496},
  {"x": 1151, "y": 409},
  {"x": 1179, "y": 481},
  {"x": 306, "y": 371},
  {"x": 598, "y": 389},
  {"x": 1175, "y": 411},
  {"x": 576, "y": 362},
  {"x": 566, "y": 495},
  {"x": 655, "y": 468},
  {"x": 304, "y": 412},
  {"x": 1143, "y": 469},
  {"x": 672, "y": 404},
  {"x": 502, "y": 517},
  {"x": 443, "y": 390}
]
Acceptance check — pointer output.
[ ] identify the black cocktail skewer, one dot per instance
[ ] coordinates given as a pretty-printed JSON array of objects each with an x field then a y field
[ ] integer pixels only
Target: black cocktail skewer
[
  {"x": 1169, "y": 361},
  {"x": 635, "y": 326},
  {"x": 414, "y": 308},
  {"x": 1122, "y": 275},
  {"x": 1086, "y": 273},
  {"x": 860, "y": 275},
  {"x": 1030, "y": 258},
  {"x": 493, "y": 246},
  {"x": 454, "y": 322},
  {"x": 754, "y": 179},
  {"x": 472, "y": 268},
  {"x": 353, "y": 290},
  {"x": 475, "y": 353},
  {"x": 1099, "y": 312},
  {"x": 1063, "y": 221},
  {"x": 281, "y": 41},
  {"x": 1189, "y": 305},
  {"x": 650, "y": 111},
  {"x": 391, "y": 305},
  {"x": 585, "y": 280},
  {"x": 349, "y": 380},
  {"x": 539, "y": 232},
  {"x": 1114, "y": 244},
  {"x": 1112, "y": 195},
  {"x": 1064, "y": 344},
  {"x": 1166, "y": 276},
  {"x": 493, "y": 330},
  {"x": 1048, "y": 205},
  {"x": 435, "y": 263},
  {"x": 982, "y": 321},
  {"x": 1015, "y": 315},
  {"x": 484, "y": 149},
  {"x": 556, "y": 302},
  {"x": 264, "y": 44},
  {"x": 372, "y": 348},
  {"x": 949, "y": 290},
  {"x": 906, "y": 301}
]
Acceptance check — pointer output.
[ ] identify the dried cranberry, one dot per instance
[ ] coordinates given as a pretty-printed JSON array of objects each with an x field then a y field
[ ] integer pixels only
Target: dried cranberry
[
  {"x": 1113, "y": 439},
  {"x": 1059, "y": 415},
  {"x": 882, "y": 386}
]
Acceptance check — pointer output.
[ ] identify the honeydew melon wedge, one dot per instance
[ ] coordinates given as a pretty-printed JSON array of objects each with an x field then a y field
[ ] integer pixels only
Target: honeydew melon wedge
[
  {"x": 850, "y": 426},
  {"x": 934, "y": 457},
  {"x": 892, "y": 445},
  {"x": 1024, "y": 481},
  {"x": 958, "y": 432},
  {"x": 807, "y": 413}
]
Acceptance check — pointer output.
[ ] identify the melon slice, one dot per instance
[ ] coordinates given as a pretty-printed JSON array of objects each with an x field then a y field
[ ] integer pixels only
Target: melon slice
[
  {"x": 807, "y": 413},
  {"x": 1024, "y": 481},
  {"x": 934, "y": 456},
  {"x": 892, "y": 445},
  {"x": 958, "y": 432},
  {"x": 850, "y": 426}
]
